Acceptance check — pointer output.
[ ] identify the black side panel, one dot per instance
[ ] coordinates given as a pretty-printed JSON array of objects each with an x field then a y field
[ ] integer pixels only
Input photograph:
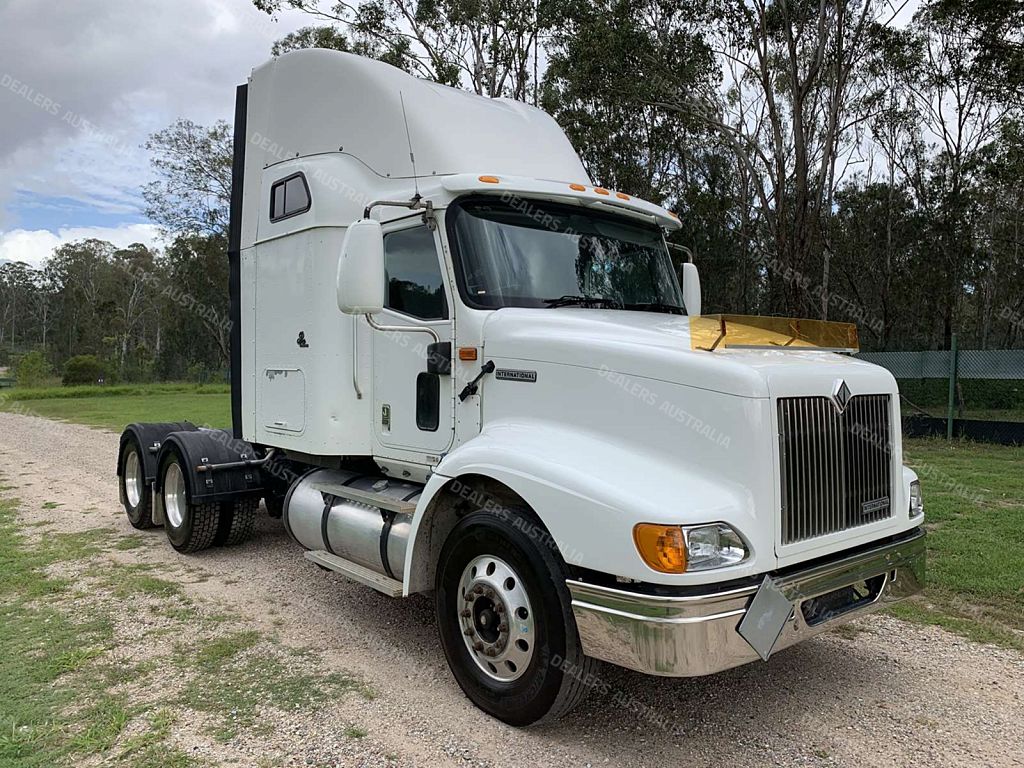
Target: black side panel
[{"x": 234, "y": 258}]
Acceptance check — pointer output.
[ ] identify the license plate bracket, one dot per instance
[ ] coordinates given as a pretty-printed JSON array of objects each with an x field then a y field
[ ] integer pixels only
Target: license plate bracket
[{"x": 766, "y": 617}]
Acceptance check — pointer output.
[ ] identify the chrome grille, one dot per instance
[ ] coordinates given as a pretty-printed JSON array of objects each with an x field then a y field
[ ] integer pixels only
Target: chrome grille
[{"x": 836, "y": 468}]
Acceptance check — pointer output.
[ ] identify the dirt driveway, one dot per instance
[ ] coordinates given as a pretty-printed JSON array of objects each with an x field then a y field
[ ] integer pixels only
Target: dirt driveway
[{"x": 879, "y": 693}]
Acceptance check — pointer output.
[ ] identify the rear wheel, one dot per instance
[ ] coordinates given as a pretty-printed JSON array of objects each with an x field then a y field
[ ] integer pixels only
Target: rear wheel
[
  {"x": 190, "y": 527},
  {"x": 137, "y": 503},
  {"x": 237, "y": 521},
  {"x": 504, "y": 615}
]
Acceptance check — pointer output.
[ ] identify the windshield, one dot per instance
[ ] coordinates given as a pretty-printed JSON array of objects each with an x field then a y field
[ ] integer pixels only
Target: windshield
[{"x": 525, "y": 253}]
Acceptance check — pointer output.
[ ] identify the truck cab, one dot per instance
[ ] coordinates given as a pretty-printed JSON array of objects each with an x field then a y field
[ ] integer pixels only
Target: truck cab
[{"x": 460, "y": 367}]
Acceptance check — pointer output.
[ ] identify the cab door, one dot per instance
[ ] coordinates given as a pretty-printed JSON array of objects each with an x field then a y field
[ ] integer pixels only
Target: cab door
[{"x": 412, "y": 407}]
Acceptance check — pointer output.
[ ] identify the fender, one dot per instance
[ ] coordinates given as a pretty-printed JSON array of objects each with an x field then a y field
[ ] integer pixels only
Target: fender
[
  {"x": 149, "y": 438},
  {"x": 212, "y": 446},
  {"x": 590, "y": 493}
]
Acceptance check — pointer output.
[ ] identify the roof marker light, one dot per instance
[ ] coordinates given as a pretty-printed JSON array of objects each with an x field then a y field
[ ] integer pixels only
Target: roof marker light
[
  {"x": 622, "y": 196},
  {"x": 490, "y": 179},
  {"x": 601, "y": 191},
  {"x": 577, "y": 187}
]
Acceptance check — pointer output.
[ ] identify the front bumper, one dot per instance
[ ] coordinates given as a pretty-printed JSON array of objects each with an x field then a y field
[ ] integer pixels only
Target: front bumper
[{"x": 691, "y": 635}]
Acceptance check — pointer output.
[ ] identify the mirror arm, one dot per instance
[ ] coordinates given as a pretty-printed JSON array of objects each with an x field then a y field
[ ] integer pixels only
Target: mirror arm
[
  {"x": 402, "y": 328},
  {"x": 415, "y": 203}
]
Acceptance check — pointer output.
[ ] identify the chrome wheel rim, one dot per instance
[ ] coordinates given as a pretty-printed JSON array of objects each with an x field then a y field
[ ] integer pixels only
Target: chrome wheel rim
[
  {"x": 496, "y": 618},
  {"x": 174, "y": 495},
  {"x": 133, "y": 480}
]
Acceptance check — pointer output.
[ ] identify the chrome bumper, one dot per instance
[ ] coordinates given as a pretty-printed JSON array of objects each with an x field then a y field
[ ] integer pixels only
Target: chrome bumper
[{"x": 696, "y": 635}]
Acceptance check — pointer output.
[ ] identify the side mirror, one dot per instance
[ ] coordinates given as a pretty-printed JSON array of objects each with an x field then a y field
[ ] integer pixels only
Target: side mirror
[
  {"x": 361, "y": 279},
  {"x": 691, "y": 288}
]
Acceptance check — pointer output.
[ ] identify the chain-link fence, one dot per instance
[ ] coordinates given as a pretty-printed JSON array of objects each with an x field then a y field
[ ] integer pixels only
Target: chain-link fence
[{"x": 975, "y": 393}]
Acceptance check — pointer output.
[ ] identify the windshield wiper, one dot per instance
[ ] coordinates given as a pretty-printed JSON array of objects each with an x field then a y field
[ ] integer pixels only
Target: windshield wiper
[
  {"x": 596, "y": 302},
  {"x": 656, "y": 306}
]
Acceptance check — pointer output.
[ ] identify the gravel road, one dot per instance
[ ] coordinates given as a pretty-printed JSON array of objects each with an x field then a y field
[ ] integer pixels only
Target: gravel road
[{"x": 884, "y": 693}]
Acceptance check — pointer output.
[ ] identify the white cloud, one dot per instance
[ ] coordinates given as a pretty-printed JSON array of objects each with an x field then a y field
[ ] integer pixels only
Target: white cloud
[
  {"x": 83, "y": 85},
  {"x": 36, "y": 245}
]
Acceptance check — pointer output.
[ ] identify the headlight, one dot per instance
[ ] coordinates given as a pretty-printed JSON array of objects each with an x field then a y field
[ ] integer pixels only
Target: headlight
[
  {"x": 916, "y": 500},
  {"x": 679, "y": 549},
  {"x": 713, "y": 546}
]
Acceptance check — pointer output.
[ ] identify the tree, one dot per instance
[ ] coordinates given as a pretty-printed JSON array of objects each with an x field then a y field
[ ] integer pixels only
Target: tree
[
  {"x": 195, "y": 275},
  {"x": 953, "y": 118},
  {"x": 33, "y": 369},
  {"x": 995, "y": 36},
  {"x": 491, "y": 46},
  {"x": 312, "y": 37},
  {"x": 192, "y": 193},
  {"x": 83, "y": 369},
  {"x": 17, "y": 289}
]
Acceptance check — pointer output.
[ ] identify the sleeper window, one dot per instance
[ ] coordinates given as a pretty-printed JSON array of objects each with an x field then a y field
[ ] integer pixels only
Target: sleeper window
[
  {"x": 414, "y": 279},
  {"x": 289, "y": 197}
]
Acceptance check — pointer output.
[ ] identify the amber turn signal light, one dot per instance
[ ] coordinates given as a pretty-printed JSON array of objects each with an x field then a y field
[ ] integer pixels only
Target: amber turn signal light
[
  {"x": 662, "y": 547},
  {"x": 467, "y": 354},
  {"x": 490, "y": 179}
]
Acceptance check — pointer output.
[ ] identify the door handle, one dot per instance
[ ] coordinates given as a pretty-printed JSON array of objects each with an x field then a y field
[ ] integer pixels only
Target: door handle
[{"x": 474, "y": 386}]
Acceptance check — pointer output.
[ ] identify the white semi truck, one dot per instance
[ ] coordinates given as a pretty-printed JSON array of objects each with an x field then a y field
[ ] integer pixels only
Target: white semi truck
[{"x": 460, "y": 367}]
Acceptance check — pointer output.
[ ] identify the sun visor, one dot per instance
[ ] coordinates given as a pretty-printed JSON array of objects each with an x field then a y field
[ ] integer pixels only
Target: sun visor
[{"x": 710, "y": 332}]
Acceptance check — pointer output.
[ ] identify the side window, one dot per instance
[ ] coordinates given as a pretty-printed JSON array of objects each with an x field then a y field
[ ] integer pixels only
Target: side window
[
  {"x": 415, "y": 286},
  {"x": 289, "y": 197}
]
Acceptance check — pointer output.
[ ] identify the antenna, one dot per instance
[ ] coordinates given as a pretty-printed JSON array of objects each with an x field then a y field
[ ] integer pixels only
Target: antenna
[{"x": 408, "y": 138}]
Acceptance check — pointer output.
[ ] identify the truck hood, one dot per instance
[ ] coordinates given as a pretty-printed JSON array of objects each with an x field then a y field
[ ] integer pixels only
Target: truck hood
[{"x": 658, "y": 346}]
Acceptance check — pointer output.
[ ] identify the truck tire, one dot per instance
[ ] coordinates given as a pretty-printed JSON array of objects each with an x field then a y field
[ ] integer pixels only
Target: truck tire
[
  {"x": 505, "y": 619},
  {"x": 137, "y": 503},
  {"x": 237, "y": 521},
  {"x": 190, "y": 527}
]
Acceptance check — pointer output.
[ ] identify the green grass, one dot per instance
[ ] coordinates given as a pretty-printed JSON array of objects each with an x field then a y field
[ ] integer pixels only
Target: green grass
[
  {"x": 974, "y": 507},
  {"x": 121, "y": 390},
  {"x": 58, "y": 699},
  {"x": 199, "y": 407},
  {"x": 115, "y": 406},
  {"x": 239, "y": 674},
  {"x": 47, "y": 658},
  {"x": 64, "y": 700}
]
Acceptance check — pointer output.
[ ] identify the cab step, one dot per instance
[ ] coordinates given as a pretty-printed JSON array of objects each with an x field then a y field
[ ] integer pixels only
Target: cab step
[
  {"x": 356, "y": 572},
  {"x": 394, "y": 496}
]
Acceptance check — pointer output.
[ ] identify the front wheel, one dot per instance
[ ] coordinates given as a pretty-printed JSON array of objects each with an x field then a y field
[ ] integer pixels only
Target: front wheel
[{"x": 505, "y": 619}]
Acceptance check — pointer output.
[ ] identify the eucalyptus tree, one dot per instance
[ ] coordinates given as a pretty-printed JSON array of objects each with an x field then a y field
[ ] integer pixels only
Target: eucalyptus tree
[
  {"x": 192, "y": 190},
  {"x": 492, "y": 47}
]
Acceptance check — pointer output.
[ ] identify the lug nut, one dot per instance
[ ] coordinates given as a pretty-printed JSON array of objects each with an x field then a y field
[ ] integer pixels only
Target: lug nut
[
  {"x": 503, "y": 627},
  {"x": 478, "y": 646},
  {"x": 465, "y": 613},
  {"x": 469, "y": 631},
  {"x": 499, "y": 608}
]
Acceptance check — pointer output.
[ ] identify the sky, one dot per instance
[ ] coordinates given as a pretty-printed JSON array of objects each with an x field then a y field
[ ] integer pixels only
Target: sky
[{"x": 84, "y": 82}]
